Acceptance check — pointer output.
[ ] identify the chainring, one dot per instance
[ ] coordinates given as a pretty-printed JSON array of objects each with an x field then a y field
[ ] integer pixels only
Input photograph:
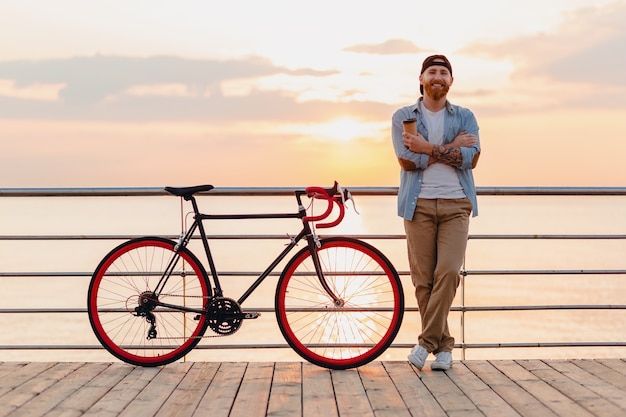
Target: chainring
[{"x": 224, "y": 315}]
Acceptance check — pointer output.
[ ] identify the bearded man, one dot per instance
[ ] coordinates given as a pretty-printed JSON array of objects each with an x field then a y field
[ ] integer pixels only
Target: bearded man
[{"x": 435, "y": 199}]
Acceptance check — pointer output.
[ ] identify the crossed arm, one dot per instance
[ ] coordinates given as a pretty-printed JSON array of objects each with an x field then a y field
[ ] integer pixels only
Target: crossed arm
[{"x": 449, "y": 154}]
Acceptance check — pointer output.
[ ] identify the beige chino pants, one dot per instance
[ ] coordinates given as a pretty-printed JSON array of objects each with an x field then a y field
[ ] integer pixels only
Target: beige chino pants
[{"x": 436, "y": 243}]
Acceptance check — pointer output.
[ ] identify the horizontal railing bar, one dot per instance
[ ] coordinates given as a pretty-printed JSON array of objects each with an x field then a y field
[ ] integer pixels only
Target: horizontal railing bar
[
  {"x": 60, "y": 310},
  {"x": 51, "y": 347},
  {"x": 542, "y": 307},
  {"x": 542, "y": 344},
  {"x": 286, "y": 346},
  {"x": 44, "y": 274},
  {"x": 546, "y": 272},
  {"x": 539, "y": 237},
  {"x": 277, "y": 191},
  {"x": 65, "y": 310},
  {"x": 550, "y": 191},
  {"x": 284, "y": 236},
  {"x": 82, "y": 237},
  {"x": 99, "y": 347},
  {"x": 519, "y": 345},
  {"x": 401, "y": 273}
]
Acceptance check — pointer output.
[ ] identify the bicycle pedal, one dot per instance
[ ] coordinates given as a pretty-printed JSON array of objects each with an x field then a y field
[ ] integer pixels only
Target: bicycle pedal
[{"x": 251, "y": 315}]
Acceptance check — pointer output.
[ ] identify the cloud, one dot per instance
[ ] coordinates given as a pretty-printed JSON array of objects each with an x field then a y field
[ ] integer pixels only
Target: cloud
[
  {"x": 603, "y": 63},
  {"x": 579, "y": 64},
  {"x": 390, "y": 47},
  {"x": 587, "y": 47},
  {"x": 161, "y": 88},
  {"x": 268, "y": 106},
  {"x": 89, "y": 80}
]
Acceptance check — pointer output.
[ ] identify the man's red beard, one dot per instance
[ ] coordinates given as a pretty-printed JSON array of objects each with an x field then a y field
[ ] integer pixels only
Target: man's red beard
[{"x": 437, "y": 93}]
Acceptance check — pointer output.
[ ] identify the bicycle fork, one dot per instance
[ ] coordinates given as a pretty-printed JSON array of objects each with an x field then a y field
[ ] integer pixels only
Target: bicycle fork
[{"x": 314, "y": 245}]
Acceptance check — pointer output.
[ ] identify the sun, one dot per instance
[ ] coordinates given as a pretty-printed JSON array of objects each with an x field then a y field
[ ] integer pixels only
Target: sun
[{"x": 340, "y": 130}]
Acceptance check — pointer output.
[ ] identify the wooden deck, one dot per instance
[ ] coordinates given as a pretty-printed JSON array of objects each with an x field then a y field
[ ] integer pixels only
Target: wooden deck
[{"x": 473, "y": 388}]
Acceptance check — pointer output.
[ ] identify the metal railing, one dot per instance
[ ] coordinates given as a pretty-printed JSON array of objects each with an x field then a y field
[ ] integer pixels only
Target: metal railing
[{"x": 462, "y": 309}]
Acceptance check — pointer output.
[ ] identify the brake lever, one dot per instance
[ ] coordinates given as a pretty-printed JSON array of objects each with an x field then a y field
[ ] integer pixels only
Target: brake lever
[{"x": 347, "y": 196}]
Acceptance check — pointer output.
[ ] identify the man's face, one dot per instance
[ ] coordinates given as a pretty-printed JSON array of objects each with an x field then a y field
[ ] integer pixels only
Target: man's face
[{"x": 436, "y": 81}]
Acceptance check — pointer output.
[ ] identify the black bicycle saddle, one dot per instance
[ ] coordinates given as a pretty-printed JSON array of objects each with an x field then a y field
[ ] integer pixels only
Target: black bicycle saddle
[{"x": 187, "y": 192}]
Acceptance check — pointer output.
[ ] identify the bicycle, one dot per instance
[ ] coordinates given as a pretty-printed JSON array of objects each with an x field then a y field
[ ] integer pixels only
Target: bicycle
[{"x": 339, "y": 302}]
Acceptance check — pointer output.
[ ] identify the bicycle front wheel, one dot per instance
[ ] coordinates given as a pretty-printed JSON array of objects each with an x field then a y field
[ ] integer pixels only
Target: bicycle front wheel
[
  {"x": 125, "y": 313},
  {"x": 350, "y": 331}
]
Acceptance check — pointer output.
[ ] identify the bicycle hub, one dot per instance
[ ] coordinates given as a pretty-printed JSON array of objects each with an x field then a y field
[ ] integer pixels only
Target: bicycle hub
[{"x": 148, "y": 300}]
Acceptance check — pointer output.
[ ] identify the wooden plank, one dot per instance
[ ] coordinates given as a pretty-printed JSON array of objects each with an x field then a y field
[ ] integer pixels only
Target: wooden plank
[
  {"x": 8, "y": 368},
  {"x": 158, "y": 390},
  {"x": 350, "y": 394},
  {"x": 33, "y": 387},
  {"x": 219, "y": 397},
  {"x": 254, "y": 393},
  {"x": 419, "y": 401},
  {"x": 602, "y": 371},
  {"x": 583, "y": 396},
  {"x": 552, "y": 398},
  {"x": 22, "y": 374},
  {"x": 123, "y": 393},
  {"x": 381, "y": 391},
  {"x": 485, "y": 399},
  {"x": 77, "y": 403},
  {"x": 591, "y": 382},
  {"x": 318, "y": 398},
  {"x": 188, "y": 394},
  {"x": 69, "y": 396},
  {"x": 524, "y": 403},
  {"x": 618, "y": 365},
  {"x": 447, "y": 394},
  {"x": 286, "y": 392}
]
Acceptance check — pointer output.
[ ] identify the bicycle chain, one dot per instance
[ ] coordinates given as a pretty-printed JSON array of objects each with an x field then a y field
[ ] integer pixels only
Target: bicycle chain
[{"x": 197, "y": 337}]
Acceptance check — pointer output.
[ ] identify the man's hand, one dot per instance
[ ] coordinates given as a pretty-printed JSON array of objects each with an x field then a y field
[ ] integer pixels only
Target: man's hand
[
  {"x": 464, "y": 139},
  {"x": 417, "y": 143}
]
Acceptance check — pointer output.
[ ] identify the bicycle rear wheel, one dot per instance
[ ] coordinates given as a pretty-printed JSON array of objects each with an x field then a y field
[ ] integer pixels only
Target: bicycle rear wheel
[
  {"x": 364, "y": 324},
  {"x": 122, "y": 309}
]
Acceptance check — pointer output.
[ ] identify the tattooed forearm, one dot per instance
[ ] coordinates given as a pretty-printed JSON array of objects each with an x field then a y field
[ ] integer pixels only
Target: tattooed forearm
[{"x": 448, "y": 156}]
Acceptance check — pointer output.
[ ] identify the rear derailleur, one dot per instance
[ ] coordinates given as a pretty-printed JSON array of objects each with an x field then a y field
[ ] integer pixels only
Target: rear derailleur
[{"x": 147, "y": 302}]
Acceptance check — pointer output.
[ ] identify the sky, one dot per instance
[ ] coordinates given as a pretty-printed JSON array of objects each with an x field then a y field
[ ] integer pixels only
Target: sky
[{"x": 288, "y": 93}]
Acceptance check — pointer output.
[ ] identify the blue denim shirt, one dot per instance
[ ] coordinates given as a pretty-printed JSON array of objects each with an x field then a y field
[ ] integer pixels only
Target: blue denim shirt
[{"x": 457, "y": 119}]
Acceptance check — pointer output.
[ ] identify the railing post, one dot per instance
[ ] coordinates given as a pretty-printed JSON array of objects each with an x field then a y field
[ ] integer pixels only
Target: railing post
[{"x": 463, "y": 275}]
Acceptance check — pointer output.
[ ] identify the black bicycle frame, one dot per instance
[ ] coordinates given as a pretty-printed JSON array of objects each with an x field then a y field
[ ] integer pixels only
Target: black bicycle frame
[{"x": 198, "y": 224}]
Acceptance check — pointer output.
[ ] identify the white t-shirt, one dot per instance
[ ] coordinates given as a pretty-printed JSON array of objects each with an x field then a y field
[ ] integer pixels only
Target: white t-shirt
[{"x": 440, "y": 180}]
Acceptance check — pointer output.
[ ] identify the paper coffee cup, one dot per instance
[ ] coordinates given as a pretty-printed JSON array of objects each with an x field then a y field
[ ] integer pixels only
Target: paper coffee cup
[{"x": 410, "y": 126}]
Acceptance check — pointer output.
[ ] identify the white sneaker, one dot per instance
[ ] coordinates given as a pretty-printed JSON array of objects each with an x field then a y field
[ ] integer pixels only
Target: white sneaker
[
  {"x": 418, "y": 356},
  {"x": 443, "y": 362}
]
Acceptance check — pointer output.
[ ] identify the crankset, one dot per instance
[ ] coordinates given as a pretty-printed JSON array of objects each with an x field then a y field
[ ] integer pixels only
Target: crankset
[{"x": 224, "y": 315}]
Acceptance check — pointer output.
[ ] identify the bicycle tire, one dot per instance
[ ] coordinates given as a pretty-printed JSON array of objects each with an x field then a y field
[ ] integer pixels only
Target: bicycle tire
[
  {"x": 132, "y": 269},
  {"x": 348, "y": 335}
]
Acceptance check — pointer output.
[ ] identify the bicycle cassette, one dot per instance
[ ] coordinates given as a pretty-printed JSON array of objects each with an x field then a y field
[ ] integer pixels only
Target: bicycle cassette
[{"x": 224, "y": 315}]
